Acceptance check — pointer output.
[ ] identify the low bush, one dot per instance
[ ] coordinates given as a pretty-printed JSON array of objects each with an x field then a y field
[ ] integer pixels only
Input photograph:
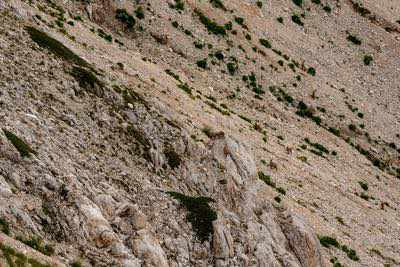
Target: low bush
[
  {"x": 54, "y": 46},
  {"x": 200, "y": 214},
  {"x": 123, "y": 16},
  {"x": 23, "y": 148}
]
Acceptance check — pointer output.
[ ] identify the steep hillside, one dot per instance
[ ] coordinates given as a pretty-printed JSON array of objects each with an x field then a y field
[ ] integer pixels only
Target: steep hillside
[{"x": 200, "y": 133}]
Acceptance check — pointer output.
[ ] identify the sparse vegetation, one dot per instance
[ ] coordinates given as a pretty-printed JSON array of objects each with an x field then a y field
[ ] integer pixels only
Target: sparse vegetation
[
  {"x": 200, "y": 214},
  {"x": 211, "y": 25},
  {"x": 173, "y": 158},
  {"x": 202, "y": 63},
  {"x": 123, "y": 16},
  {"x": 298, "y": 2},
  {"x": 265, "y": 43},
  {"x": 354, "y": 39},
  {"x": 23, "y": 148},
  {"x": 54, "y": 46},
  {"x": 37, "y": 244},
  {"x": 328, "y": 241},
  {"x": 367, "y": 60},
  {"x": 88, "y": 80},
  {"x": 4, "y": 226},
  {"x": 296, "y": 19}
]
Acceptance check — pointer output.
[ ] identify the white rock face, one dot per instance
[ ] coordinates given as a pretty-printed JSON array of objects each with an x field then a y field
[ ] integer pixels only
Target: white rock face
[{"x": 147, "y": 248}]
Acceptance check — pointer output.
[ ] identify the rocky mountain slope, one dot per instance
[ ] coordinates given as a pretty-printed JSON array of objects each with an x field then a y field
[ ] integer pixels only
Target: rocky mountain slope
[{"x": 199, "y": 133}]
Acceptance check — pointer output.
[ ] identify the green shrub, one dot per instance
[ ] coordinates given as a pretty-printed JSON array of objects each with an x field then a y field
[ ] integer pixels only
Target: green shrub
[
  {"x": 200, "y": 214},
  {"x": 266, "y": 179},
  {"x": 211, "y": 25},
  {"x": 296, "y": 19},
  {"x": 360, "y": 9},
  {"x": 311, "y": 71},
  {"x": 265, "y": 43},
  {"x": 123, "y": 16},
  {"x": 232, "y": 68},
  {"x": 88, "y": 80},
  {"x": 54, "y": 46},
  {"x": 23, "y": 148},
  {"x": 354, "y": 39},
  {"x": 37, "y": 244},
  {"x": 298, "y": 2},
  {"x": 367, "y": 60},
  {"x": 334, "y": 131},
  {"x": 239, "y": 21},
  {"x": 175, "y": 24},
  {"x": 202, "y": 63},
  {"x": 185, "y": 87},
  {"x": 363, "y": 185},
  {"x": 139, "y": 13},
  {"x": 4, "y": 226},
  {"x": 218, "y": 4},
  {"x": 259, "y": 4},
  {"x": 328, "y": 241},
  {"x": 279, "y": 19},
  {"x": 173, "y": 158},
  {"x": 179, "y": 5},
  {"x": 327, "y": 9}
]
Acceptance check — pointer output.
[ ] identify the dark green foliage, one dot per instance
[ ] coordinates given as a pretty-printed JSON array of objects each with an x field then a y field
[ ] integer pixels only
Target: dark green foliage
[
  {"x": 266, "y": 179},
  {"x": 17, "y": 259},
  {"x": 360, "y": 9},
  {"x": 200, "y": 214},
  {"x": 23, "y": 148},
  {"x": 334, "y": 131},
  {"x": 304, "y": 111},
  {"x": 318, "y": 146},
  {"x": 318, "y": 2},
  {"x": 37, "y": 244},
  {"x": 354, "y": 39},
  {"x": 4, "y": 226},
  {"x": 218, "y": 4},
  {"x": 104, "y": 35},
  {"x": 278, "y": 199},
  {"x": 202, "y": 63},
  {"x": 179, "y": 5},
  {"x": 175, "y": 76},
  {"x": 298, "y": 2},
  {"x": 363, "y": 185},
  {"x": 296, "y": 19},
  {"x": 219, "y": 55},
  {"x": 232, "y": 68},
  {"x": 279, "y": 19},
  {"x": 221, "y": 110},
  {"x": 311, "y": 71},
  {"x": 259, "y": 4},
  {"x": 173, "y": 158},
  {"x": 327, "y": 8},
  {"x": 328, "y": 241},
  {"x": 54, "y": 46},
  {"x": 88, "y": 80},
  {"x": 76, "y": 264},
  {"x": 175, "y": 24},
  {"x": 139, "y": 13},
  {"x": 211, "y": 25},
  {"x": 367, "y": 60},
  {"x": 123, "y": 16},
  {"x": 198, "y": 45},
  {"x": 228, "y": 26},
  {"x": 239, "y": 20},
  {"x": 351, "y": 253},
  {"x": 185, "y": 87},
  {"x": 265, "y": 43},
  {"x": 352, "y": 127}
]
